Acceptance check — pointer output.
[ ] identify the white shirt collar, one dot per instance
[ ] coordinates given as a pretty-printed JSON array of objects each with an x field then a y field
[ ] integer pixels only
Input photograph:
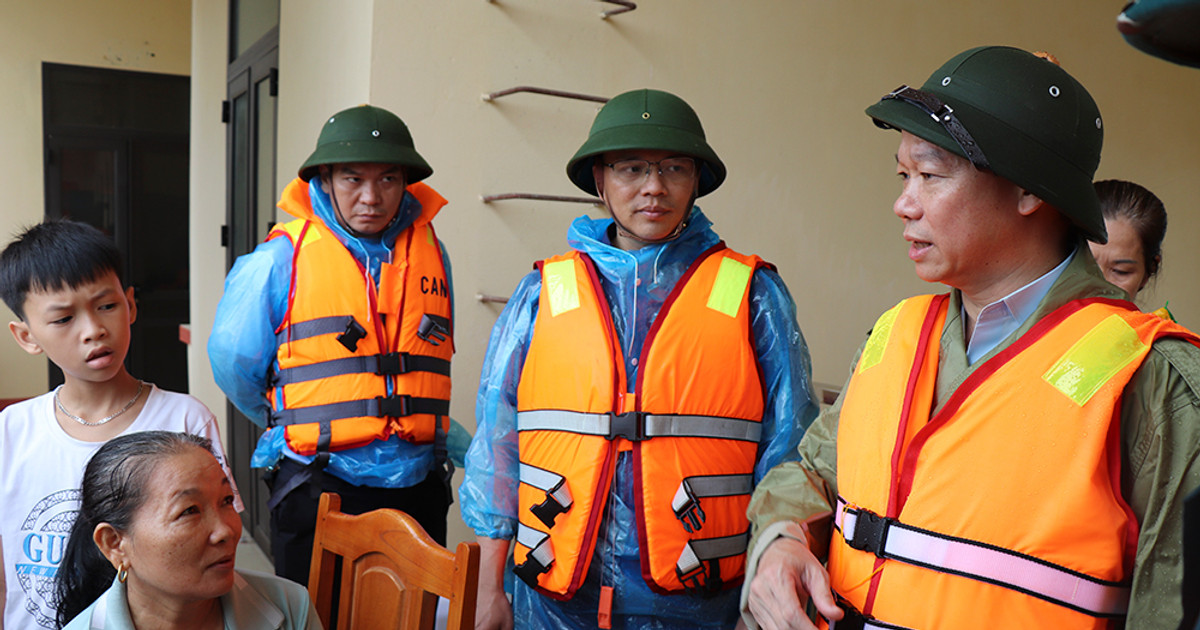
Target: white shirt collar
[{"x": 1001, "y": 318}]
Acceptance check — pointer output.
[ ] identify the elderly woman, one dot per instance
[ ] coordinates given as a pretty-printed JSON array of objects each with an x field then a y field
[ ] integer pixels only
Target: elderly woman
[
  {"x": 154, "y": 545},
  {"x": 1136, "y": 222}
]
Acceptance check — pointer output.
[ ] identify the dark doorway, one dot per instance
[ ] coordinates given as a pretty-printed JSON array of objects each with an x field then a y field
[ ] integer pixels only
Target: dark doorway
[{"x": 116, "y": 146}]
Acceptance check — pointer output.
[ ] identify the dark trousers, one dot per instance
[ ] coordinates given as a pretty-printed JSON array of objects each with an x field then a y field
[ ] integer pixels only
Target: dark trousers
[{"x": 294, "y": 518}]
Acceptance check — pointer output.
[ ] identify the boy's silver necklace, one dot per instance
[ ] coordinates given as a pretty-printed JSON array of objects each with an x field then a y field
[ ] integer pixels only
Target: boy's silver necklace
[{"x": 58, "y": 403}]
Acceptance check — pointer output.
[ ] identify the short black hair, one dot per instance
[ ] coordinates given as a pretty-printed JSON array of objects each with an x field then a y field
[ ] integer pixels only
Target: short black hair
[{"x": 54, "y": 255}]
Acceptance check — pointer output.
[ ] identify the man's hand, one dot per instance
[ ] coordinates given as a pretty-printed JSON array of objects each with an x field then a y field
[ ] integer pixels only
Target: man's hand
[
  {"x": 492, "y": 609},
  {"x": 787, "y": 574}
]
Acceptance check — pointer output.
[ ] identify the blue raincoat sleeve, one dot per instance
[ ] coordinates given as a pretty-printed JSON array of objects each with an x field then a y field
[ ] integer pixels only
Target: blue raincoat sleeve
[
  {"x": 488, "y": 495},
  {"x": 242, "y": 345},
  {"x": 787, "y": 369}
]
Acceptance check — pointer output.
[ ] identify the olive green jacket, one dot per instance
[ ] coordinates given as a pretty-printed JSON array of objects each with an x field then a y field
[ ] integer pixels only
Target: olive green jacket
[{"x": 1160, "y": 440}]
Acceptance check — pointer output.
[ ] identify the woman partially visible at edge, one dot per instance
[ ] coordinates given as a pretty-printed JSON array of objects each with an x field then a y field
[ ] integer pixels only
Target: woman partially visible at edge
[
  {"x": 1137, "y": 222},
  {"x": 154, "y": 545}
]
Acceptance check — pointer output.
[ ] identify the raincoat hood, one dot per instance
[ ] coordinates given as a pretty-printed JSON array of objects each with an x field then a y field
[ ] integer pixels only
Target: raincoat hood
[
  {"x": 306, "y": 200},
  {"x": 591, "y": 236}
]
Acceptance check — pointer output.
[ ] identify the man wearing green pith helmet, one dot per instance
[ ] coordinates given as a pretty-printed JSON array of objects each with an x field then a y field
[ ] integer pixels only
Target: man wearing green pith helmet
[
  {"x": 1012, "y": 454},
  {"x": 336, "y": 335},
  {"x": 634, "y": 390}
]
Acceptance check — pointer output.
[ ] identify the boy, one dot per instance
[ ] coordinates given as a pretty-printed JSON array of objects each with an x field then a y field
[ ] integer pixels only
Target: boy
[{"x": 63, "y": 281}]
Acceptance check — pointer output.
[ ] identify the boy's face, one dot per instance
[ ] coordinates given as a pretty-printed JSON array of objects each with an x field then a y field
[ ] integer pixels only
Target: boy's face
[{"x": 84, "y": 330}]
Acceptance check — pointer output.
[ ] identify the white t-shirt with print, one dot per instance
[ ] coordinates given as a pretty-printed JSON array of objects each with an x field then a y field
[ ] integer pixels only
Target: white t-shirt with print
[{"x": 41, "y": 468}]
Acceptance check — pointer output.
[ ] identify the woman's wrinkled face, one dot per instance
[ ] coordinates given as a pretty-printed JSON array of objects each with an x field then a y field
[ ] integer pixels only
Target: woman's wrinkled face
[{"x": 181, "y": 544}]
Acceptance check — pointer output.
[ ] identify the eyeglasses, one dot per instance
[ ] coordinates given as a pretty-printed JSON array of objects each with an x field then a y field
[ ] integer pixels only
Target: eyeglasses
[
  {"x": 944, "y": 115},
  {"x": 674, "y": 170}
]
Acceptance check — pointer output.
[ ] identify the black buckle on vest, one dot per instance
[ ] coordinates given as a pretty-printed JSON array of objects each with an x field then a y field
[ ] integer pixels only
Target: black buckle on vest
[
  {"x": 870, "y": 532},
  {"x": 852, "y": 619},
  {"x": 693, "y": 580},
  {"x": 548, "y": 510},
  {"x": 391, "y": 363},
  {"x": 530, "y": 570},
  {"x": 630, "y": 425},
  {"x": 394, "y": 406},
  {"x": 691, "y": 514},
  {"x": 353, "y": 333},
  {"x": 699, "y": 582},
  {"x": 434, "y": 326}
]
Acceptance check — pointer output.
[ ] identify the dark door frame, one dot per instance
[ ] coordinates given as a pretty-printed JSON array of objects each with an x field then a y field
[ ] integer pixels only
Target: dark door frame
[{"x": 245, "y": 225}]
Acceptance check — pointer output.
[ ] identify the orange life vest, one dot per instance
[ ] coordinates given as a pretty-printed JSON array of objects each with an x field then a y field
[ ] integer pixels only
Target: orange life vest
[
  {"x": 693, "y": 425},
  {"x": 1004, "y": 509},
  {"x": 360, "y": 362}
]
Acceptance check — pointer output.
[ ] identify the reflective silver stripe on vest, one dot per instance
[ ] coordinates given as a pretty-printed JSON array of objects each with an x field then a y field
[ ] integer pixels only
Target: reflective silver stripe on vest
[
  {"x": 538, "y": 543},
  {"x": 889, "y": 538},
  {"x": 686, "y": 503},
  {"x": 654, "y": 425},
  {"x": 701, "y": 549},
  {"x": 550, "y": 483}
]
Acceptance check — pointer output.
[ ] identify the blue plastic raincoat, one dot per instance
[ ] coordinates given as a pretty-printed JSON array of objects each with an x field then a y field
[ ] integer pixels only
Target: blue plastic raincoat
[
  {"x": 242, "y": 348},
  {"x": 636, "y": 283}
]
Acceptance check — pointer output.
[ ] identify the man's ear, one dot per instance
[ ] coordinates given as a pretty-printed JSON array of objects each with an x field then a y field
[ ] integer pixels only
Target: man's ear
[
  {"x": 109, "y": 541},
  {"x": 1030, "y": 203},
  {"x": 20, "y": 331},
  {"x": 598, "y": 175},
  {"x": 325, "y": 174}
]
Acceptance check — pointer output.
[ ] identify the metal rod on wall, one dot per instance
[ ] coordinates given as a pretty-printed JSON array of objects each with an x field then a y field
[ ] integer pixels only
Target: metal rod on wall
[
  {"x": 626, "y": 7},
  {"x": 545, "y": 91},
  {"x": 538, "y": 197},
  {"x": 485, "y": 298}
]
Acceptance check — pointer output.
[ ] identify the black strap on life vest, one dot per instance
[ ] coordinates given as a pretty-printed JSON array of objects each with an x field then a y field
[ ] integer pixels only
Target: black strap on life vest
[
  {"x": 391, "y": 363},
  {"x": 394, "y": 406}
]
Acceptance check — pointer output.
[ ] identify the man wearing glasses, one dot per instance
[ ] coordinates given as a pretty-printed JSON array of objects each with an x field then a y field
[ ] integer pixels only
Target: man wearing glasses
[
  {"x": 634, "y": 390},
  {"x": 1013, "y": 454}
]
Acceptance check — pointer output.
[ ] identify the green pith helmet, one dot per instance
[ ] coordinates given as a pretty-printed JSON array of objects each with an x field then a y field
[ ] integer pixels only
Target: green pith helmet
[
  {"x": 1034, "y": 123},
  {"x": 366, "y": 134},
  {"x": 646, "y": 119}
]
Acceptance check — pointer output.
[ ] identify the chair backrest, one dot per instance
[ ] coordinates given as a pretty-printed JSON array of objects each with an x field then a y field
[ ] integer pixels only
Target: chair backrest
[{"x": 391, "y": 571}]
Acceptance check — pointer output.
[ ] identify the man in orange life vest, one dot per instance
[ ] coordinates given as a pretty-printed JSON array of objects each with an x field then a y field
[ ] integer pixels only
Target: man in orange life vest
[
  {"x": 336, "y": 335},
  {"x": 634, "y": 390},
  {"x": 1013, "y": 454}
]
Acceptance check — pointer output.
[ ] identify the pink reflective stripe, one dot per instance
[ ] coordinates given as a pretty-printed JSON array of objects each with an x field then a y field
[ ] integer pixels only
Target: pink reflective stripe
[
  {"x": 1008, "y": 568},
  {"x": 998, "y": 566}
]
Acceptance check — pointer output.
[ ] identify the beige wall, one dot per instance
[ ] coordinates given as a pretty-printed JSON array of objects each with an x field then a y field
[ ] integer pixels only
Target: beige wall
[
  {"x": 206, "y": 196},
  {"x": 780, "y": 87},
  {"x": 120, "y": 34}
]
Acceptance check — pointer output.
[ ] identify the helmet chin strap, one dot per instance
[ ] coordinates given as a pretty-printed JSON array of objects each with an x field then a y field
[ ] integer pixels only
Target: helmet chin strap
[{"x": 627, "y": 233}]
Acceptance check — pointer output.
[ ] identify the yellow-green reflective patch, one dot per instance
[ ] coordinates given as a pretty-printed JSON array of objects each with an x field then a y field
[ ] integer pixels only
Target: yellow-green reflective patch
[
  {"x": 561, "y": 286},
  {"x": 729, "y": 287},
  {"x": 872, "y": 353},
  {"x": 1094, "y": 359},
  {"x": 429, "y": 235},
  {"x": 312, "y": 235}
]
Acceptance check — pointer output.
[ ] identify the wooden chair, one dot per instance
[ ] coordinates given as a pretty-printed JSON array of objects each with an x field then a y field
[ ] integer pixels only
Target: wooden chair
[{"x": 391, "y": 571}]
